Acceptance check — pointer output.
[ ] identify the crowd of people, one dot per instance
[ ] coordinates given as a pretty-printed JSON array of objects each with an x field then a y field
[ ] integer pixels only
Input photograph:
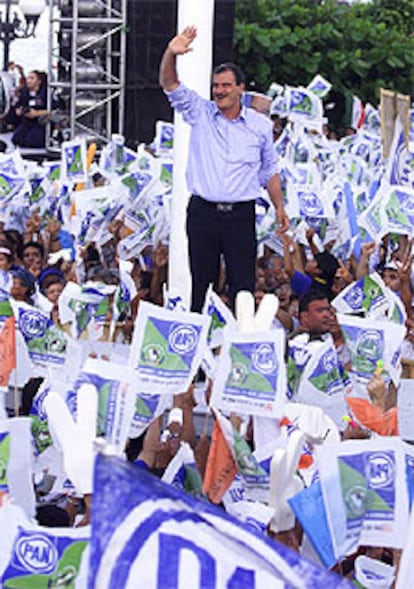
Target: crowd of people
[{"x": 305, "y": 271}]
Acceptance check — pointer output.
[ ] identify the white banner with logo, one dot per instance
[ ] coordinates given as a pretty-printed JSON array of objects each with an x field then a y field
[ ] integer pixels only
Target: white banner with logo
[
  {"x": 35, "y": 556},
  {"x": 365, "y": 493},
  {"x": 167, "y": 348},
  {"x": 251, "y": 374}
]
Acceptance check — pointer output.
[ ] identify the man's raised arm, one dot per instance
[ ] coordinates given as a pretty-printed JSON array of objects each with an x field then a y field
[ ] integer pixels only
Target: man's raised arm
[{"x": 179, "y": 45}]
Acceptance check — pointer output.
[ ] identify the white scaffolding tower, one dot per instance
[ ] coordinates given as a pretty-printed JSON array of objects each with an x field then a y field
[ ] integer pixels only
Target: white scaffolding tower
[{"x": 87, "y": 54}]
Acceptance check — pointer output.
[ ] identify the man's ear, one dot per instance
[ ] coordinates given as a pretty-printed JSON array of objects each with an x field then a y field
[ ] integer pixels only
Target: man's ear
[{"x": 303, "y": 319}]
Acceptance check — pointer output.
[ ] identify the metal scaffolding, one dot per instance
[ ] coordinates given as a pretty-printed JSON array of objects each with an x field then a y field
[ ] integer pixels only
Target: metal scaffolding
[{"x": 87, "y": 51}]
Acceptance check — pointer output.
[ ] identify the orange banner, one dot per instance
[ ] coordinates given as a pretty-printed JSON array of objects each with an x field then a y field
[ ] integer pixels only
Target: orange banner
[
  {"x": 371, "y": 417},
  {"x": 7, "y": 351},
  {"x": 221, "y": 467}
]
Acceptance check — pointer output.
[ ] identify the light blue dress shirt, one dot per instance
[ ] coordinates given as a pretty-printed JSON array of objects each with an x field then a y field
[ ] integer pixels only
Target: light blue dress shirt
[{"x": 229, "y": 159}]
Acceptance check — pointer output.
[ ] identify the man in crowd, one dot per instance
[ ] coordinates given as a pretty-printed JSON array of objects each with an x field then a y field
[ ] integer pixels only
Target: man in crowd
[
  {"x": 310, "y": 346},
  {"x": 231, "y": 157}
]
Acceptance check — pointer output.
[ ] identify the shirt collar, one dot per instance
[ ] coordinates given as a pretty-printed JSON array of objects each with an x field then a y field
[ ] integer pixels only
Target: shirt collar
[{"x": 242, "y": 115}]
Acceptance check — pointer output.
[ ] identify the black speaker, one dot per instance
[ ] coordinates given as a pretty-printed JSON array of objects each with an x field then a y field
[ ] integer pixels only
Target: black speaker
[{"x": 151, "y": 24}]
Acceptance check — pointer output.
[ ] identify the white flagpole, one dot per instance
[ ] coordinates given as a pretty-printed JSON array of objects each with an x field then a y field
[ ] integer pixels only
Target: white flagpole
[{"x": 194, "y": 70}]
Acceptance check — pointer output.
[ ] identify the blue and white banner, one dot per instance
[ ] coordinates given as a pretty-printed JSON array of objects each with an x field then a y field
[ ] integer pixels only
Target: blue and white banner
[
  {"x": 370, "y": 340},
  {"x": 221, "y": 318},
  {"x": 319, "y": 86},
  {"x": 365, "y": 493},
  {"x": 398, "y": 156},
  {"x": 147, "y": 408},
  {"x": 42, "y": 438},
  {"x": 251, "y": 374},
  {"x": 46, "y": 343},
  {"x": 366, "y": 295},
  {"x": 154, "y": 536},
  {"x": 167, "y": 348},
  {"x": 32, "y": 556},
  {"x": 74, "y": 164},
  {"x": 83, "y": 305},
  {"x": 116, "y": 399}
]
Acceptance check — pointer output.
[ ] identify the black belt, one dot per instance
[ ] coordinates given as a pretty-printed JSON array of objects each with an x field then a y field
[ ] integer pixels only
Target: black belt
[{"x": 223, "y": 207}]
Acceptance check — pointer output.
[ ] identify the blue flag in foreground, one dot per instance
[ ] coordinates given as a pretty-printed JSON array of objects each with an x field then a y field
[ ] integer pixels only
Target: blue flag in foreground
[{"x": 148, "y": 534}]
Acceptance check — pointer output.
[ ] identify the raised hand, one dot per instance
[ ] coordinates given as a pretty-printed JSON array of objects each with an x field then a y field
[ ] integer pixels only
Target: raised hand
[{"x": 181, "y": 43}]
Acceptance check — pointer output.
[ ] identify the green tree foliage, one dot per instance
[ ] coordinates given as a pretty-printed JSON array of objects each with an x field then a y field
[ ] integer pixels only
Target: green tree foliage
[{"x": 359, "y": 46}]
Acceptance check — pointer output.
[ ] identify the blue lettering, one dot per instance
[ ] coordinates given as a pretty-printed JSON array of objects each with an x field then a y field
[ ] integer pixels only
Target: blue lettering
[
  {"x": 242, "y": 579},
  {"x": 37, "y": 553},
  {"x": 169, "y": 560},
  {"x": 379, "y": 469}
]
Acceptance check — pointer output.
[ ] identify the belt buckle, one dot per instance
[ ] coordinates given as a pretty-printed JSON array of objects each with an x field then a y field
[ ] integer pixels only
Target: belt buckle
[{"x": 224, "y": 207}]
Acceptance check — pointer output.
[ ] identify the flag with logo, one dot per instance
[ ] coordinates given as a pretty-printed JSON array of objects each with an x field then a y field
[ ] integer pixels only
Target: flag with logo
[
  {"x": 126, "y": 290},
  {"x": 374, "y": 219},
  {"x": 147, "y": 408},
  {"x": 74, "y": 161},
  {"x": 370, "y": 340},
  {"x": 303, "y": 104},
  {"x": 137, "y": 182},
  {"x": 221, "y": 317},
  {"x": 46, "y": 343},
  {"x": 164, "y": 537},
  {"x": 42, "y": 438},
  {"x": 167, "y": 348},
  {"x": 319, "y": 86},
  {"x": 116, "y": 159},
  {"x": 323, "y": 382},
  {"x": 7, "y": 351},
  {"x": 86, "y": 304},
  {"x": 399, "y": 201},
  {"x": 36, "y": 557},
  {"x": 396, "y": 162},
  {"x": 251, "y": 374},
  {"x": 366, "y": 295},
  {"x": 365, "y": 493},
  {"x": 116, "y": 400}
]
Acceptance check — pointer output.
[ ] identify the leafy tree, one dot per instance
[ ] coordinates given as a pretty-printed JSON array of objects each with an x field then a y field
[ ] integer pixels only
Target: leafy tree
[{"x": 360, "y": 47}]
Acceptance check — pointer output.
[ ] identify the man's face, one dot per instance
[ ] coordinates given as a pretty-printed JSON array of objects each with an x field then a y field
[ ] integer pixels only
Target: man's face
[
  {"x": 391, "y": 279},
  {"x": 317, "y": 319},
  {"x": 32, "y": 259},
  {"x": 275, "y": 272},
  {"x": 226, "y": 92}
]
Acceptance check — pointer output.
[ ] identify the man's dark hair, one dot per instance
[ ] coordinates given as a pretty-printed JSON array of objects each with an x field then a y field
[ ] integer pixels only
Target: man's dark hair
[
  {"x": 230, "y": 67},
  {"x": 313, "y": 294}
]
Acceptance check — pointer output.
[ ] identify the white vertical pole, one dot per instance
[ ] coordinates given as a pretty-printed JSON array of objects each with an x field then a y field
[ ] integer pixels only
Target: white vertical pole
[{"x": 194, "y": 69}]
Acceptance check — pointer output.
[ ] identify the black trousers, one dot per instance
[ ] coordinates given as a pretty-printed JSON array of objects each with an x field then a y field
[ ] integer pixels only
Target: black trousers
[{"x": 214, "y": 229}]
